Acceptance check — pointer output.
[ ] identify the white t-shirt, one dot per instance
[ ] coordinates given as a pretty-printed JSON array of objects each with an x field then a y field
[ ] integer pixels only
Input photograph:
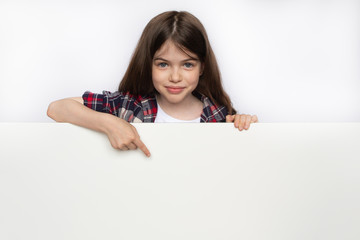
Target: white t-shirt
[{"x": 163, "y": 117}]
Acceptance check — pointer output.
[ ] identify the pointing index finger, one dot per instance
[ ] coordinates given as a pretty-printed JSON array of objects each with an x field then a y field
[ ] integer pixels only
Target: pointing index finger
[{"x": 142, "y": 147}]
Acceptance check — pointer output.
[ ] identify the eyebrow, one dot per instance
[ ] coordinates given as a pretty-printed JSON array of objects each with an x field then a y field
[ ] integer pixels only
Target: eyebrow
[{"x": 188, "y": 59}]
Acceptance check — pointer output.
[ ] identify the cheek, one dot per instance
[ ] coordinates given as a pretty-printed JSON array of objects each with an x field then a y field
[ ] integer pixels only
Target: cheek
[
  {"x": 157, "y": 79},
  {"x": 193, "y": 78},
  {"x": 157, "y": 75}
]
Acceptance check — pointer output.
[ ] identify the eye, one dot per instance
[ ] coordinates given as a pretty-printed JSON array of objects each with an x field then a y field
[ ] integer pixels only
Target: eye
[
  {"x": 188, "y": 65},
  {"x": 162, "y": 65}
]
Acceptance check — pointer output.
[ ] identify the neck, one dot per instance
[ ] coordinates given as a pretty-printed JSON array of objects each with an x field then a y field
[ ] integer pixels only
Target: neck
[{"x": 190, "y": 108}]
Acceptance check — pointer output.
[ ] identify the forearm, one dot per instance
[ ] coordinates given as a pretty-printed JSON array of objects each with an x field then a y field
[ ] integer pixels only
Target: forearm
[{"x": 72, "y": 111}]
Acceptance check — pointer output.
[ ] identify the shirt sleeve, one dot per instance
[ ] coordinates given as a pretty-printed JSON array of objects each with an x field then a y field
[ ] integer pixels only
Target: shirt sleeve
[{"x": 105, "y": 102}]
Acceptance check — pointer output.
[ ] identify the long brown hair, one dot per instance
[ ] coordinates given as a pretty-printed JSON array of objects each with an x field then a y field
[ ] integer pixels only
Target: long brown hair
[{"x": 187, "y": 32}]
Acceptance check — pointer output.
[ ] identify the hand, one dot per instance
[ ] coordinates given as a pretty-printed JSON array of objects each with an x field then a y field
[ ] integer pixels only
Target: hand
[
  {"x": 242, "y": 121},
  {"x": 123, "y": 135}
]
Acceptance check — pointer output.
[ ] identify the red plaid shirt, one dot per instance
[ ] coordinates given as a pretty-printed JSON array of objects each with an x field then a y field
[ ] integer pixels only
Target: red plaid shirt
[{"x": 144, "y": 108}]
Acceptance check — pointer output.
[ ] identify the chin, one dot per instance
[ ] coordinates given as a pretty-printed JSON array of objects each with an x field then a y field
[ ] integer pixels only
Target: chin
[{"x": 173, "y": 99}]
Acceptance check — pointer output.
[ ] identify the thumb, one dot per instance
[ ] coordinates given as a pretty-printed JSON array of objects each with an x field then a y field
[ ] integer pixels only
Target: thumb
[
  {"x": 254, "y": 119},
  {"x": 230, "y": 118}
]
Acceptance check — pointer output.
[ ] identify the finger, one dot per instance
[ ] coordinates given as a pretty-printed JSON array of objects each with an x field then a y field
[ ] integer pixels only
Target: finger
[
  {"x": 247, "y": 122},
  {"x": 254, "y": 119},
  {"x": 123, "y": 148},
  {"x": 242, "y": 122},
  {"x": 118, "y": 146},
  {"x": 132, "y": 146},
  {"x": 236, "y": 120},
  {"x": 230, "y": 118},
  {"x": 142, "y": 147},
  {"x": 139, "y": 143}
]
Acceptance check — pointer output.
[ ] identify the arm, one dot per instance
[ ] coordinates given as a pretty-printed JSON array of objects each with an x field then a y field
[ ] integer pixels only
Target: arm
[{"x": 121, "y": 134}]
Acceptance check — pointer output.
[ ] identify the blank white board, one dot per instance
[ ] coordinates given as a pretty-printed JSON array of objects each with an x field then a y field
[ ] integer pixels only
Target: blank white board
[{"x": 203, "y": 181}]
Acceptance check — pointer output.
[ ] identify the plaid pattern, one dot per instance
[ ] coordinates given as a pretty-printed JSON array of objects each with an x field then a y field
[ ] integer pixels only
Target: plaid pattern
[{"x": 133, "y": 108}]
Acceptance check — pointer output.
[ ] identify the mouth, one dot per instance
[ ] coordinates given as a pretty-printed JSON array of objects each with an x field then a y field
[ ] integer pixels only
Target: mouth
[{"x": 174, "y": 90}]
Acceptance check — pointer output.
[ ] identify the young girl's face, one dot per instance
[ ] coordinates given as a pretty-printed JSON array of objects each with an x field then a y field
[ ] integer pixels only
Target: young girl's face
[{"x": 175, "y": 74}]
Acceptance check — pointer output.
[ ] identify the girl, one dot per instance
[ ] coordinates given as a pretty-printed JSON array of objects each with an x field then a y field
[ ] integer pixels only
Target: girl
[{"x": 173, "y": 76}]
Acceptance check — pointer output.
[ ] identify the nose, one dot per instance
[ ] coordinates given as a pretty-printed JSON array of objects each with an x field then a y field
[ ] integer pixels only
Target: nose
[{"x": 175, "y": 75}]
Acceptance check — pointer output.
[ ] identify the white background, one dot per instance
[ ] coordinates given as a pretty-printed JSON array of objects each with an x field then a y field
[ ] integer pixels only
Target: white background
[{"x": 286, "y": 61}]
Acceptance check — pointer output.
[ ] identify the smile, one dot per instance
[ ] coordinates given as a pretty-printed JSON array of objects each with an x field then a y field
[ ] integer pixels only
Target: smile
[{"x": 175, "y": 90}]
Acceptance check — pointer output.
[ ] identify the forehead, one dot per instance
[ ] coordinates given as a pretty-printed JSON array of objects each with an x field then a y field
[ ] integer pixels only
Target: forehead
[{"x": 170, "y": 50}]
